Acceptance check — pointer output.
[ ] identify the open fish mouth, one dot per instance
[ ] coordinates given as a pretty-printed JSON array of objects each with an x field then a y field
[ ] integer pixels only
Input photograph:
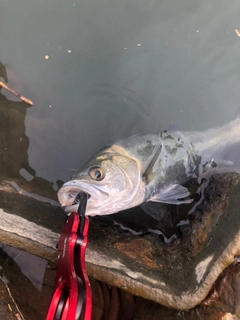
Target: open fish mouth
[
  {"x": 69, "y": 198},
  {"x": 77, "y": 199}
]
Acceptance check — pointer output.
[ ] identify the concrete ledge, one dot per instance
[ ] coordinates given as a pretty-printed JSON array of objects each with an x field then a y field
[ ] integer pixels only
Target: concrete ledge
[{"x": 178, "y": 275}]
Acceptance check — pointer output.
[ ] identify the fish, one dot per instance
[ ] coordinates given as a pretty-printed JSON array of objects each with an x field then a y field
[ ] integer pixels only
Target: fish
[{"x": 152, "y": 167}]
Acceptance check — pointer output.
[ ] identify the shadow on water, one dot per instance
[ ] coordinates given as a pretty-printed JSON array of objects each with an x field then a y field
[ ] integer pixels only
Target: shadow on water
[{"x": 14, "y": 163}]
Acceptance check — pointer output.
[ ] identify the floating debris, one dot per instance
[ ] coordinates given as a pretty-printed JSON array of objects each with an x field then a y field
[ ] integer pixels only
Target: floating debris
[
  {"x": 237, "y": 32},
  {"x": 3, "y": 85}
]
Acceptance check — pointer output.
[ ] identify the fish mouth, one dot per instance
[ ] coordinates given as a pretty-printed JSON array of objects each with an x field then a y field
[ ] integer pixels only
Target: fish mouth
[
  {"x": 69, "y": 198},
  {"x": 78, "y": 197}
]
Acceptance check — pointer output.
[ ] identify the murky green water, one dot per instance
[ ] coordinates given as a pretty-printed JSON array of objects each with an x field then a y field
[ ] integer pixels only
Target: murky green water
[{"x": 115, "y": 68}]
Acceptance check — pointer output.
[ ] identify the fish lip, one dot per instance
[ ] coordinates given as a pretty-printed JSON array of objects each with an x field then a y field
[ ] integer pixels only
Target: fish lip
[{"x": 69, "y": 191}]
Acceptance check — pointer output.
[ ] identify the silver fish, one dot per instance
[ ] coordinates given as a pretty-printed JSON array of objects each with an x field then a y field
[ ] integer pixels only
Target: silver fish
[{"x": 152, "y": 167}]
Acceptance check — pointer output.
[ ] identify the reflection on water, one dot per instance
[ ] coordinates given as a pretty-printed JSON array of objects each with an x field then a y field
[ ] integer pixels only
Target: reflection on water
[{"x": 13, "y": 140}]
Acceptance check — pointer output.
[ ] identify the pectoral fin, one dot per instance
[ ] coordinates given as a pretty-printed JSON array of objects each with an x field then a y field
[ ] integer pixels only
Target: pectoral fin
[
  {"x": 155, "y": 210},
  {"x": 174, "y": 194},
  {"x": 150, "y": 173}
]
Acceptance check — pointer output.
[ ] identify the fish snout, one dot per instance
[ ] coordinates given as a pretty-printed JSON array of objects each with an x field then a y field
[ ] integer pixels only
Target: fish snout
[
  {"x": 68, "y": 194},
  {"x": 70, "y": 200}
]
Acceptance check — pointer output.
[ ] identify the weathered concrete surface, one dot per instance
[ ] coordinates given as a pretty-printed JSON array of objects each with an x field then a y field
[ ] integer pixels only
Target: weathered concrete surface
[
  {"x": 178, "y": 275},
  {"x": 110, "y": 303}
]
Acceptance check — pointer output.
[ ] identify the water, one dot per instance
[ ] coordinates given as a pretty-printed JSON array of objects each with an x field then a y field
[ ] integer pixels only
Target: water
[
  {"x": 29, "y": 282},
  {"x": 115, "y": 68}
]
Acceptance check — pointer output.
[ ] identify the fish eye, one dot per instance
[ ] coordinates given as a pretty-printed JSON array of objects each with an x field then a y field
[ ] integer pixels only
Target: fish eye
[{"x": 96, "y": 173}]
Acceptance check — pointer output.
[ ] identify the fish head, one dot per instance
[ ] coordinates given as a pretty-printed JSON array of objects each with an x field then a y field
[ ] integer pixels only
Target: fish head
[{"x": 112, "y": 180}]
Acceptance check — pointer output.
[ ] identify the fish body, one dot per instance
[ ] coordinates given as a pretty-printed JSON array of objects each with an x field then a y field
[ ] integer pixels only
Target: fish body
[{"x": 152, "y": 167}]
